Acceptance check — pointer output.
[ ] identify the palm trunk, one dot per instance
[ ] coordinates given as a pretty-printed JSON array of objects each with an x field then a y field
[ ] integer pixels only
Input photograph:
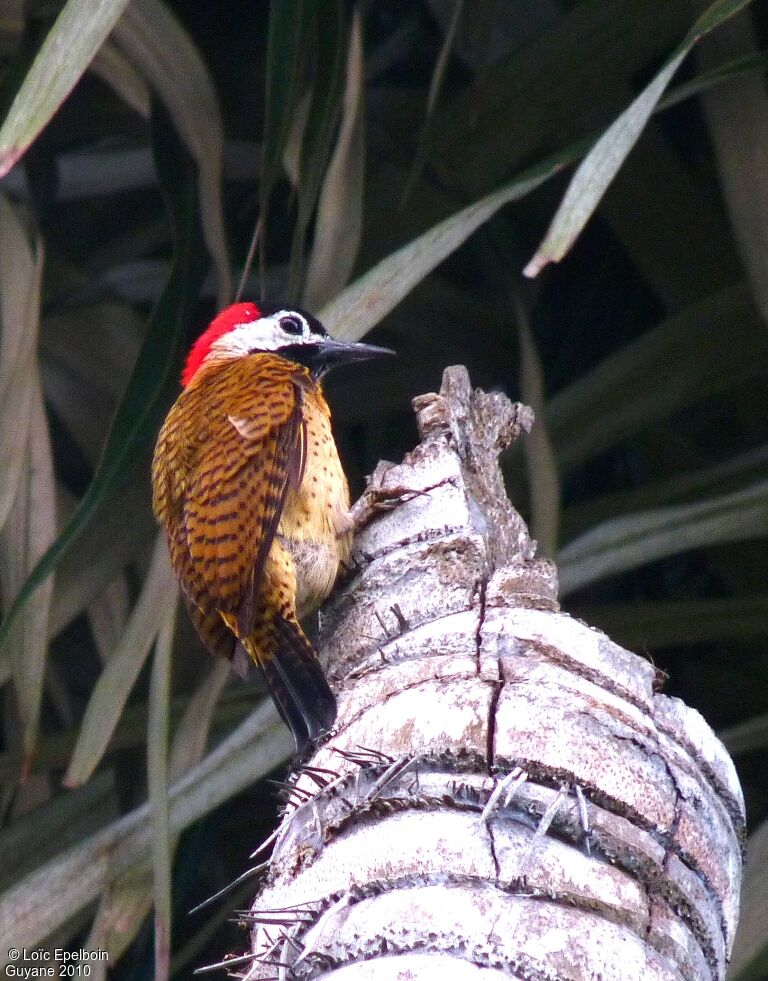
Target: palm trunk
[{"x": 505, "y": 794}]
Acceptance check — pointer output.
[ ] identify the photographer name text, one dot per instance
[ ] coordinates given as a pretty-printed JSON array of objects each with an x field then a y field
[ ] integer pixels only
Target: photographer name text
[{"x": 41, "y": 962}]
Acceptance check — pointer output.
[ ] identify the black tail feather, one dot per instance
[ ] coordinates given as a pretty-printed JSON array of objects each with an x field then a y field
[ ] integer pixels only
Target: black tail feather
[{"x": 298, "y": 685}]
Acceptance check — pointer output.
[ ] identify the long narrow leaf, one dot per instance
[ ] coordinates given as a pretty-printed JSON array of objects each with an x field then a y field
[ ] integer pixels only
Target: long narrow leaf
[
  {"x": 192, "y": 733},
  {"x": 742, "y": 67},
  {"x": 71, "y": 44},
  {"x": 323, "y": 111},
  {"x": 543, "y": 477},
  {"x": 20, "y": 272},
  {"x": 338, "y": 226},
  {"x": 737, "y": 119},
  {"x": 37, "y": 905},
  {"x": 55, "y": 749},
  {"x": 167, "y": 57},
  {"x": 371, "y": 297},
  {"x": 108, "y": 614},
  {"x": 632, "y": 540},
  {"x": 681, "y": 361},
  {"x": 750, "y": 949},
  {"x": 27, "y": 491},
  {"x": 138, "y": 415},
  {"x": 602, "y": 163},
  {"x": 435, "y": 85},
  {"x": 117, "y": 679},
  {"x": 83, "y": 355},
  {"x": 124, "y": 531},
  {"x": 115, "y": 69},
  {"x": 128, "y": 900},
  {"x": 157, "y": 770},
  {"x": 286, "y": 40},
  {"x": 30, "y": 529},
  {"x": 55, "y": 826},
  {"x": 390, "y": 281},
  {"x": 720, "y": 478},
  {"x": 650, "y": 625}
]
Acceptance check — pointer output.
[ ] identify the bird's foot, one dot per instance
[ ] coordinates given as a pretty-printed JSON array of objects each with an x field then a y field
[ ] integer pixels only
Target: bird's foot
[{"x": 376, "y": 501}]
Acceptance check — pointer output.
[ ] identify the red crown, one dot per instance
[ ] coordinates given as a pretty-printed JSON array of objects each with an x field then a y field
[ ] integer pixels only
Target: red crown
[{"x": 229, "y": 318}]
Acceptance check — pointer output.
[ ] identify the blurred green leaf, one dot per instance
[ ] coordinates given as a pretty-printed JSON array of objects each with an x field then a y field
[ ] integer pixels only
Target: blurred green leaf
[
  {"x": 85, "y": 357},
  {"x": 564, "y": 83},
  {"x": 76, "y": 36},
  {"x": 108, "y": 615},
  {"x": 116, "y": 70},
  {"x": 438, "y": 74},
  {"x": 371, "y": 297},
  {"x": 737, "y": 122},
  {"x": 124, "y": 531},
  {"x": 191, "y": 736},
  {"x": 124, "y": 906},
  {"x": 712, "y": 17},
  {"x": 749, "y": 64},
  {"x": 55, "y": 750},
  {"x": 27, "y": 491},
  {"x": 435, "y": 85}
]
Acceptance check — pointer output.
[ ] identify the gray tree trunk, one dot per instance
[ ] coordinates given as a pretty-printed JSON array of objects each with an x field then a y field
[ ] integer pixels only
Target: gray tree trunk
[{"x": 505, "y": 793}]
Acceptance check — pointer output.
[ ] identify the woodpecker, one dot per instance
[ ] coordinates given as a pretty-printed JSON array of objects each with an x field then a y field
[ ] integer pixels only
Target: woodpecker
[{"x": 249, "y": 488}]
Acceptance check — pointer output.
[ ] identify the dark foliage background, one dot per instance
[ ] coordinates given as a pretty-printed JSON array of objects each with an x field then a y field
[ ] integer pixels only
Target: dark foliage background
[{"x": 644, "y": 353}]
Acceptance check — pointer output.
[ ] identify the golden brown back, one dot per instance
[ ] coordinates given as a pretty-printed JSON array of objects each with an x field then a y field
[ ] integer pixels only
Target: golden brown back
[{"x": 248, "y": 485}]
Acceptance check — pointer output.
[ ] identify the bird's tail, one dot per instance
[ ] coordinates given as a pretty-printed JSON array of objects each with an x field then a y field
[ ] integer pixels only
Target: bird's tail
[{"x": 294, "y": 677}]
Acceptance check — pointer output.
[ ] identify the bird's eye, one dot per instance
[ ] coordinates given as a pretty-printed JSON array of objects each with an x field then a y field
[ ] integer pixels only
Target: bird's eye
[{"x": 292, "y": 325}]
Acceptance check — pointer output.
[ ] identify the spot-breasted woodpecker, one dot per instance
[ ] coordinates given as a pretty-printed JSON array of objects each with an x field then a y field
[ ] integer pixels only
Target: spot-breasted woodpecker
[{"x": 248, "y": 485}]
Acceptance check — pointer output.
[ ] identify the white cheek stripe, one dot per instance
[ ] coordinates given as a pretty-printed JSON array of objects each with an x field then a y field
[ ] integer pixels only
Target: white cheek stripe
[{"x": 264, "y": 334}]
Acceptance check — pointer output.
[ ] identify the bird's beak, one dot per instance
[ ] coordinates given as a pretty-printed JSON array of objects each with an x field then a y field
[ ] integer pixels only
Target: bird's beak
[
  {"x": 321, "y": 355},
  {"x": 333, "y": 352}
]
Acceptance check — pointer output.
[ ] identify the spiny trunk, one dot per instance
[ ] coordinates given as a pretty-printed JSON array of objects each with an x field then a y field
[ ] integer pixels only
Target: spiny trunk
[{"x": 505, "y": 794}]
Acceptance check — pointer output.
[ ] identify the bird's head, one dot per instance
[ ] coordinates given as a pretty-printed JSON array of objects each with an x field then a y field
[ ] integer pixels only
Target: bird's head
[{"x": 244, "y": 328}]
